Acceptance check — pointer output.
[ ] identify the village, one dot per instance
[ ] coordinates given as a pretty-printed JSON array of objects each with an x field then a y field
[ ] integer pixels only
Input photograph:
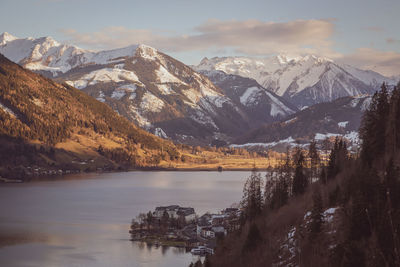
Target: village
[{"x": 181, "y": 227}]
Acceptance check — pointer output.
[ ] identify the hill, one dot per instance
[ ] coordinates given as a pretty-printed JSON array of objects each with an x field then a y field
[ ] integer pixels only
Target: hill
[
  {"x": 49, "y": 126},
  {"x": 340, "y": 117}
]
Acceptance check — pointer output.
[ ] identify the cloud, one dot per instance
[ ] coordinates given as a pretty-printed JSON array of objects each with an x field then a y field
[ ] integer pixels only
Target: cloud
[
  {"x": 252, "y": 37},
  {"x": 110, "y": 37},
  {"x": 384, "y": 62}
]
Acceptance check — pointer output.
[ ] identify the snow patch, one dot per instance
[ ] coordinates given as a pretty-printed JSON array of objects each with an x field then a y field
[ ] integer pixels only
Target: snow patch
[
  {"x": 350, "y": 136},
  {"x": 151, "y": 103},
  {"x": 202, "y": 118},
  {"x": 288, "y": 140},
  {"x": 164, "y": 76},
  {"x": 250, "y": 96},
  {"x": 123, "y": 90},
  {"x": 7, "y": 110},
  {"x": 290, "y": 121},
  {"x": 118, "y": 94},
  {"x": 343, "y": 124},
  {"x": 105, "y": 75},
  {"x": 101, "y": 97},
  {"x": 147, "y": 52},
  {"x": 366, "y": 103},
  {"x": 277, "y": 107},
  {"x": 165, "y": 89},
  {"x": 141, "y": 121},
  {"x": 328, "y": 214},
  {"x": 160, "y": 133}
]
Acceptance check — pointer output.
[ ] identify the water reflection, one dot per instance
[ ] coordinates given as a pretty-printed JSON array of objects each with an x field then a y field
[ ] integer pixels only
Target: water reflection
[{"x": 84, "y": 219}]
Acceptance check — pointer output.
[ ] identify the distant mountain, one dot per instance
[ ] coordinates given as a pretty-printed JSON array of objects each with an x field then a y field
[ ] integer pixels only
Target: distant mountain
[
  {"x": 339, "y": 117},
  {"x": 153, "y": 90},
  {"x": 51, "y": 126},
  {"x": 303, "y": 81},
  {"x": 261, "y": 105}
]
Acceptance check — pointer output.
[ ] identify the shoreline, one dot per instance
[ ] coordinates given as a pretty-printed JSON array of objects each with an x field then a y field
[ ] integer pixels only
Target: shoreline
[{"x": 59, "y": 177}]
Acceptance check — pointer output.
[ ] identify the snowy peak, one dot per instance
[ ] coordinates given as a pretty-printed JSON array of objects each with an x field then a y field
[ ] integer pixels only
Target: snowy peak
[
  {"x": 6, "y": 37},
  {"x": 146, "y": 52}
]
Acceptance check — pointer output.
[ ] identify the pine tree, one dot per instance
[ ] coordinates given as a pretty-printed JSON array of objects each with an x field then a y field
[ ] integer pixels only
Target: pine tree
[
  {"x": 322, "y": 176},
  {"x": 373, "y": 127},
  {"x": 337, "y": 158},
  {"x": 300, "y": 181},
  {"x": 314, "y": 161},
  {"x": 315, "y": 224},
  {"x": 252, "y": 200},
  {"x": 276, "y": 192},
  {"x": 253, "y": 238}
]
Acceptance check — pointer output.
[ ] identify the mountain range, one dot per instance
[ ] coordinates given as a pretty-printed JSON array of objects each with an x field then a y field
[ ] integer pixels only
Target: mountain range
[
  {"x": 220, "y": 100},
  {"x": 148, "y": 87},
  {"x": 303, "y": 80}
]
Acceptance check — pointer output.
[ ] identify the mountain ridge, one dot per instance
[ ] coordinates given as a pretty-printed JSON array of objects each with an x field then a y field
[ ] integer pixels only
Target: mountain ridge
[
  {"x": 304, "y": 81},
  {"x": 148, "y": 87}
]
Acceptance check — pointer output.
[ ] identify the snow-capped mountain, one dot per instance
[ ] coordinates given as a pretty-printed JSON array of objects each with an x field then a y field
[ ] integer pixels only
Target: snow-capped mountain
[
  {"x": 262, "y": 105},
  {"x": 302, "y": 80},
  {"x": 148, "y": 87},
  {"x": 47, "y": 55}
]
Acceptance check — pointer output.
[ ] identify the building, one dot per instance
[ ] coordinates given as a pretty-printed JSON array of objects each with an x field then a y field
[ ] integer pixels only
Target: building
[
  {"x": 213, "y": 231},
  {"x": 175, "y": 211},
  {"x": 219, "y": 230},
  {"x": 207, "y": 232},
  {"x": 202, "y": 223},
  {"x": 171, "y": 210},
  {"x": 186, "y": 213},
  {"x": 230, "y": 210}
]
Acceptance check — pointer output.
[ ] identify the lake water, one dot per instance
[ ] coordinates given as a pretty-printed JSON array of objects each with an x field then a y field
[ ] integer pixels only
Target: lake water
[{"x": 83, "y": 220}]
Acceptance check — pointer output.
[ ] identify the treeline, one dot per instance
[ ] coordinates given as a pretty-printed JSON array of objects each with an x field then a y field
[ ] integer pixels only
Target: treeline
[{"x": 284, "y": 214}]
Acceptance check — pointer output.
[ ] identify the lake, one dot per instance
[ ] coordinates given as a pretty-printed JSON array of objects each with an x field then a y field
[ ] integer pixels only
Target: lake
[{"x": 83, "y": 220}]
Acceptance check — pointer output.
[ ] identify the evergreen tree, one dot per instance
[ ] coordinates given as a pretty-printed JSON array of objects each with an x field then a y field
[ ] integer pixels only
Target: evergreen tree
[
  {"x": 252, "y": 200},
  {"x": 337, "y": 158},
  {"x": 253, "y": 238},
  {"x": 276, "y": 192},
  {"x": 300, "y": 181},
  {"x": 315, "y": 224},
  {"x": 322, "y": 176},
  {"x": 373, "y": 127},
  {"x": 314, "y": 161}
]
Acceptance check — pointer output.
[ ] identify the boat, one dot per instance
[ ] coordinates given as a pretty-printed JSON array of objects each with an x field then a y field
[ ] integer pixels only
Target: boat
[{"x": 202, "y": 250}]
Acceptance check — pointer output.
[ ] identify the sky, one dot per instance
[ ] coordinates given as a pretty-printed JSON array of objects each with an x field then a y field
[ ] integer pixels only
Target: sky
[{"x": 363, "y": 33}]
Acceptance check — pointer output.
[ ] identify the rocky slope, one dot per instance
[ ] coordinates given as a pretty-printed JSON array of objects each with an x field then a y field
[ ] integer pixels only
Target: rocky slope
[
  {"x": 303, "y": 81},
  {"x": 261, "y": 105}
]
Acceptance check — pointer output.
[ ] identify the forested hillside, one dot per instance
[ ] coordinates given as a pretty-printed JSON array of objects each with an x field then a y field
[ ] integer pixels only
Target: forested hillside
[
  {"x": 52, "y": 126},
  {"x": 344, "y": 213}
]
